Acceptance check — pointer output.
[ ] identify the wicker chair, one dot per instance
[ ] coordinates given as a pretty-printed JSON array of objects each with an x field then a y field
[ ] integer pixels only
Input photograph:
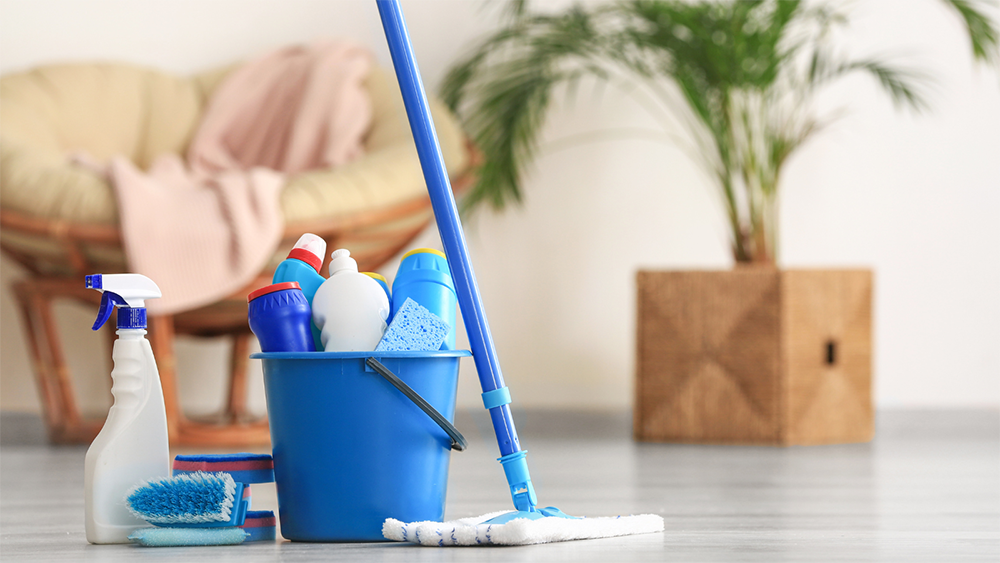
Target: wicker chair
[{"x": 53, "y": 224}]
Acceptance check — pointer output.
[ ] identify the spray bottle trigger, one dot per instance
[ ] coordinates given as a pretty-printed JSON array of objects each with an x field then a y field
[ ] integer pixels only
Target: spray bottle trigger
[{"x": 109, "y": 301}]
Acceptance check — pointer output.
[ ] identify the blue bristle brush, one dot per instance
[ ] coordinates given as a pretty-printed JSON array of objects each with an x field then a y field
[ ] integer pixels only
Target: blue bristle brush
[
  {"x": 206, "y": 502},
  {"x": 191, "y": 509},
  {"x": 191, "y": 500}
]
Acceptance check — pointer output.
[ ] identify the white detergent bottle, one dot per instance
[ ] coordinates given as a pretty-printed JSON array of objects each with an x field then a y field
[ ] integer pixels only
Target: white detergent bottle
[
  {"x": 350, "y": 308},
  {"x": 133, "y": 445}
]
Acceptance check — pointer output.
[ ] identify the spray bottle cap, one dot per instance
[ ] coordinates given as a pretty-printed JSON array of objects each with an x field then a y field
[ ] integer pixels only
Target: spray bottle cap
[
  {"x": 127, "y": 291},
  {"x": 310, "y": 249},
  {"x": 340, "y": 260}
]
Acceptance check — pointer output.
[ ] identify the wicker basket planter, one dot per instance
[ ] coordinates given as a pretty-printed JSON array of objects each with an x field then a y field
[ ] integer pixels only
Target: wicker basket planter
[{"x": 754, "y": 356}]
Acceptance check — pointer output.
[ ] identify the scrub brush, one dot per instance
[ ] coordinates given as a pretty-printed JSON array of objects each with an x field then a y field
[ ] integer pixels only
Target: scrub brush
[
  {"x": 213, "y": 503},
  {"x": 195, "y": 500}
]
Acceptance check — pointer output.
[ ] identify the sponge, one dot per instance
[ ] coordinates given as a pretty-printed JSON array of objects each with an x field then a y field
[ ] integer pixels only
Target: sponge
[
  {"x": 244, "y": 467},
  {"x": 413, "y": 328},
  {"x": 260, "y": 525},
  {"x": 169, "y": 537}
]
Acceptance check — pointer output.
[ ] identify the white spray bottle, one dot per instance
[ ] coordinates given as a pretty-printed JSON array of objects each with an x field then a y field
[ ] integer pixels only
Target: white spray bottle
[{"x": 133, "y": 446}]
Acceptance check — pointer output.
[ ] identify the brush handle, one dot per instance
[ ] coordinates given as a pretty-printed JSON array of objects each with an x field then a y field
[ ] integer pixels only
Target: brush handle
[{"x": 448, "y": 222}]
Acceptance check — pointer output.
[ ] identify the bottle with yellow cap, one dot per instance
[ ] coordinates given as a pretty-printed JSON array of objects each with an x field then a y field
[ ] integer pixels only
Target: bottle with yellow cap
[
  {"x": 423, "y": 276},
  {"x": 385, "y": 287}
]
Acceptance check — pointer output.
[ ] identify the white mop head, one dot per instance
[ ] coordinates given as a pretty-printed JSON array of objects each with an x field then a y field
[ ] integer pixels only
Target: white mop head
[{"x": 522, "y": 531}]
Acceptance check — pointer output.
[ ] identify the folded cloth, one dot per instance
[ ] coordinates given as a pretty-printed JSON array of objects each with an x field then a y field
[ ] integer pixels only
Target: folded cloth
[
  {"x": 521, "y": 531},
  {"x": 205, "y": 230}
]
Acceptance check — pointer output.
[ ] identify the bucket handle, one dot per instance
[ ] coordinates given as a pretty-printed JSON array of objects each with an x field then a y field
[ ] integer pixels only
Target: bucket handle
[{"x": 458, "y": 442}]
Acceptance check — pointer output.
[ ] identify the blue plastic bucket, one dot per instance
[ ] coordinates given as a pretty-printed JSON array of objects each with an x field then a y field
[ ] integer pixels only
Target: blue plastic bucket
[{"x": 350, "y": 450}]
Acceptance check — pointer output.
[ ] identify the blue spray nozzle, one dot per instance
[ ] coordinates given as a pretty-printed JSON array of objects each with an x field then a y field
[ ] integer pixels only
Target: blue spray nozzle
[
  {"x": 128, "y": 291},
  {"x": 109, "y": 301}
]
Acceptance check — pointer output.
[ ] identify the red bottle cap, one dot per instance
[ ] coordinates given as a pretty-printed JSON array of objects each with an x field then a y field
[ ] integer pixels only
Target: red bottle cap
[
  {"x": 272, "y": 288},
  {"x": 308, "y": 257}
]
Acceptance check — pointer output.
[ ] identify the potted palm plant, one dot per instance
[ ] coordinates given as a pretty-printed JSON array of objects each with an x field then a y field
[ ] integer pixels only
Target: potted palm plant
[{"x": 751, "y": 355}]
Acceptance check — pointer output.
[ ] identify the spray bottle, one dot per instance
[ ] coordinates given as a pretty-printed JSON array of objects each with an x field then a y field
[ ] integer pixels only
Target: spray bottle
[{"x": 133, "y": 446}]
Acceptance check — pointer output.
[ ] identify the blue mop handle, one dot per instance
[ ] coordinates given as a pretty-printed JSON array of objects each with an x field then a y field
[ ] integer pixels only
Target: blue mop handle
[{"x": 495, "y": 394}]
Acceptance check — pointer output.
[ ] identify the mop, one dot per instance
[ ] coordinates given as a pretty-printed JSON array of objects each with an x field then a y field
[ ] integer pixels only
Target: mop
[{"x": 528, "y": 524}]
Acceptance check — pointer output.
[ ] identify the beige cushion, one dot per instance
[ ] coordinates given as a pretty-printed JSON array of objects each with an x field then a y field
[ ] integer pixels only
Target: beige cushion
[{"x": 111, "y": 109}]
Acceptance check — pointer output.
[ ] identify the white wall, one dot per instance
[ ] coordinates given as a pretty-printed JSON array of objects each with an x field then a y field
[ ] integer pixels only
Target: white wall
[{"x": 917, "y": 198}]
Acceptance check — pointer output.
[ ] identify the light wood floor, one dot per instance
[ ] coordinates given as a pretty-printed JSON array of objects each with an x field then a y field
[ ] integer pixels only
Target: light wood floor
[{"x": 927, "y": 489}]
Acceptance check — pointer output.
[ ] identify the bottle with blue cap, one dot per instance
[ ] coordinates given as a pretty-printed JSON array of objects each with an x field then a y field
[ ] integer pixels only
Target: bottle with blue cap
[
  {"x": 133, "y": 445},
  {"x": 423, "y": 276}
]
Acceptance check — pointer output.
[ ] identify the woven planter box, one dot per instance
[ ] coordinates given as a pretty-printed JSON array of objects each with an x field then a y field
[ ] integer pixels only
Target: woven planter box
[{"x": 754, "y": 356}]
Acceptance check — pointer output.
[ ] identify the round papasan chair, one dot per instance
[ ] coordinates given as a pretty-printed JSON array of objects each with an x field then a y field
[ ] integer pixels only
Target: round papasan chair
[{"x": 60, "y": 221}]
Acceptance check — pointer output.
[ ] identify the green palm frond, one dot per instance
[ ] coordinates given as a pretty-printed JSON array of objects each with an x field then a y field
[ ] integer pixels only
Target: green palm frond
[
  {"x": 983, "y": 36},
  {"x": 738, "y": 75},
  {"x": 902, "y": 85},
  {"x": 899, "y": 84},
  {"x": 516, "y": 9},
  {"x": 504, "y": 88}
]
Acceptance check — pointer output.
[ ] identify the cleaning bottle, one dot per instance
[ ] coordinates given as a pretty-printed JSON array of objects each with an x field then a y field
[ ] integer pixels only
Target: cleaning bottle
[
  {"x": 423, "y": 276},
  {"x": 302, "y": 266},
  {"x": 280, "y": 318},
  {"x": 385, "y": 287},
  {"x": 133, "y": 446},
  {"x": 350, "y": 308}
]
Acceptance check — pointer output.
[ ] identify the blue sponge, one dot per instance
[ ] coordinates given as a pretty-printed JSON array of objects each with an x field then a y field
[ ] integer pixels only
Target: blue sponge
[
  {"x": 244, "y": 467},
  {"x": 413, "y": 329},
  {"x": 260, "y": 525},
  {"x": 169, "y": 537}
]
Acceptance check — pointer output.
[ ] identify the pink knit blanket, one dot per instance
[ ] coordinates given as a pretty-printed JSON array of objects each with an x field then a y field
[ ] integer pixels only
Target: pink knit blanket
[{"x": 204, "y": 228}]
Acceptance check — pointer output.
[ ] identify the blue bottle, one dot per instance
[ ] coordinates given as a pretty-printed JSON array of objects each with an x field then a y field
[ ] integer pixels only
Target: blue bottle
[
  {"x": 302, "y": 266},
  {"x": 423, "y": 276},
  {"x": 280, "y": 317}
]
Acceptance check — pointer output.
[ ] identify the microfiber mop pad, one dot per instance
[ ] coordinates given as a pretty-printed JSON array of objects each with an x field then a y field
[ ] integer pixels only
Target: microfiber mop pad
[{"x": 520, "y": 531}]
